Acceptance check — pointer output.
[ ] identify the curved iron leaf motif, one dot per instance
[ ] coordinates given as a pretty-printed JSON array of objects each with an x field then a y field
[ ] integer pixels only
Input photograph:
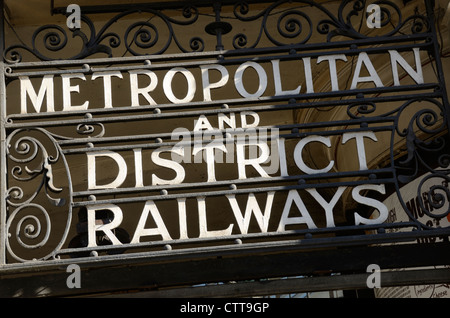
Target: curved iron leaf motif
[
  {"x": 437, "y": 197},
  {"x": 82, "y": 131},
  {"x": 426, "y": 121},
  {"x": 143, "y": 34},
  {"x": 342, "y": 24},
  {"x": 34, "y": 198},
  {"x": 426, "y": 155},
  {"x": 421, "y": 126}
]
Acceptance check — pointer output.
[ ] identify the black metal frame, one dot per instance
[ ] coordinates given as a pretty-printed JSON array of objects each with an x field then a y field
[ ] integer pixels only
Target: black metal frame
[{"x": 279, "y": 251}]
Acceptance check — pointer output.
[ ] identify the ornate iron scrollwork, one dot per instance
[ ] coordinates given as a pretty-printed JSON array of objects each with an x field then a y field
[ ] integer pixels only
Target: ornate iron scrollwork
[
  {"x": 32, "y": 193},
  {"x": 143, "y": 34},
  {"x": 293, "y": 26},
  {"x": 425, "y": 146}
]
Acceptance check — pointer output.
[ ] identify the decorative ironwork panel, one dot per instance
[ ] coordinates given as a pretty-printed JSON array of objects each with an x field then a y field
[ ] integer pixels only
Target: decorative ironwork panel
[
  {"x": 163, "y": 28},
  {"x": 147, "y": 142}
]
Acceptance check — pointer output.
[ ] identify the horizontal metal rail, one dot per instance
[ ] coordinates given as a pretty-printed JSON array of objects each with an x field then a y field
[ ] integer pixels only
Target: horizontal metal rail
[
  {"x": 289, "y": 286},
  {"x": 231, "y": 184},
  {"x": 220, "y": 109},
  {"x": 219, "y": 55}
]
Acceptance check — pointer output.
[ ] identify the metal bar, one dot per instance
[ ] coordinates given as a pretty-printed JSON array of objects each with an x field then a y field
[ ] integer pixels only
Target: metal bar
[
  {"x": 168, "y": 5},
  {"x": 163, "y": 66},
  {"x": 149, "y": 137},
  {"x": 235, "y": 245},
  {"x": 430, "y": 5},
  {"x": 218, "y": 105},
  {"x": 240, "y": 52},
  {"x": 274, "y": 107},
  {"x": 143, "y": 273},
  {"x": 300, "y": 240},
  {"x": 223, "y": 140},
  {"x": 272, "y": 287},
  {"x": 229, "y": 182},
  {"x": 3, "y": 174},
  {"x": 261, "y": 59},
  {"x": 238, "y": 191},
  {"x": 307, "y": 237}
]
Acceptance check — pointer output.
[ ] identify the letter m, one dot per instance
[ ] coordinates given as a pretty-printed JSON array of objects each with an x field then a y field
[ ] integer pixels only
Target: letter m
[{"x": 27, "y": 90}]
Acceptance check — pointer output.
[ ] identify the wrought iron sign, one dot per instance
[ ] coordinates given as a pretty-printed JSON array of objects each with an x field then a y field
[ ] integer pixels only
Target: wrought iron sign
[{"x": 232, "y": 126}]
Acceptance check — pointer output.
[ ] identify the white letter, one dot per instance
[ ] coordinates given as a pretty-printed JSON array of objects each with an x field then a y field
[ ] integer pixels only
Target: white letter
[
  {"x": 201, "y": 203},
  {"x": 106, "y": 228},
  {"x": 180, "y": 173},
  {"x": 136, "y": 91},
  {"x": 26, "y": 89},
  {"x": 364, "y": 58},
  {"x": 238, "y": 80},
  {"x": 67, "y": 89},
  {"x": 167, "y": 85},
  {"x": 308, "y": 75},
  {"x": 92, "y": 180},
  {"x": 277, "y": 79},
  {"x": 138, "y": 167},
  {"x": 244, "y": 123},
  {"x": 209, "y": 151},
  {"x": 107, "y": 85},
  {"x": 397, "y": 58},
  {"x": 359, "y": 136},
  {"x": 202, "y": 123},
  {"x": 252, "y": 206},
  {"x": 282, "y": 157},
  {"x": 182, "y": 218},
  {"x": 205, "y": 79},
  {"x": 223, "y": 119},
  {"x": 293, "y": 196},
  {"x": 328, "y": 206},
  {"x": 255, "y": 162},
  {"x": 160, "y": 226},
  {"x": 382, "y": 209},
  {"x": 332, "y": 65},
  {"x": 299, "y": 159}
]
